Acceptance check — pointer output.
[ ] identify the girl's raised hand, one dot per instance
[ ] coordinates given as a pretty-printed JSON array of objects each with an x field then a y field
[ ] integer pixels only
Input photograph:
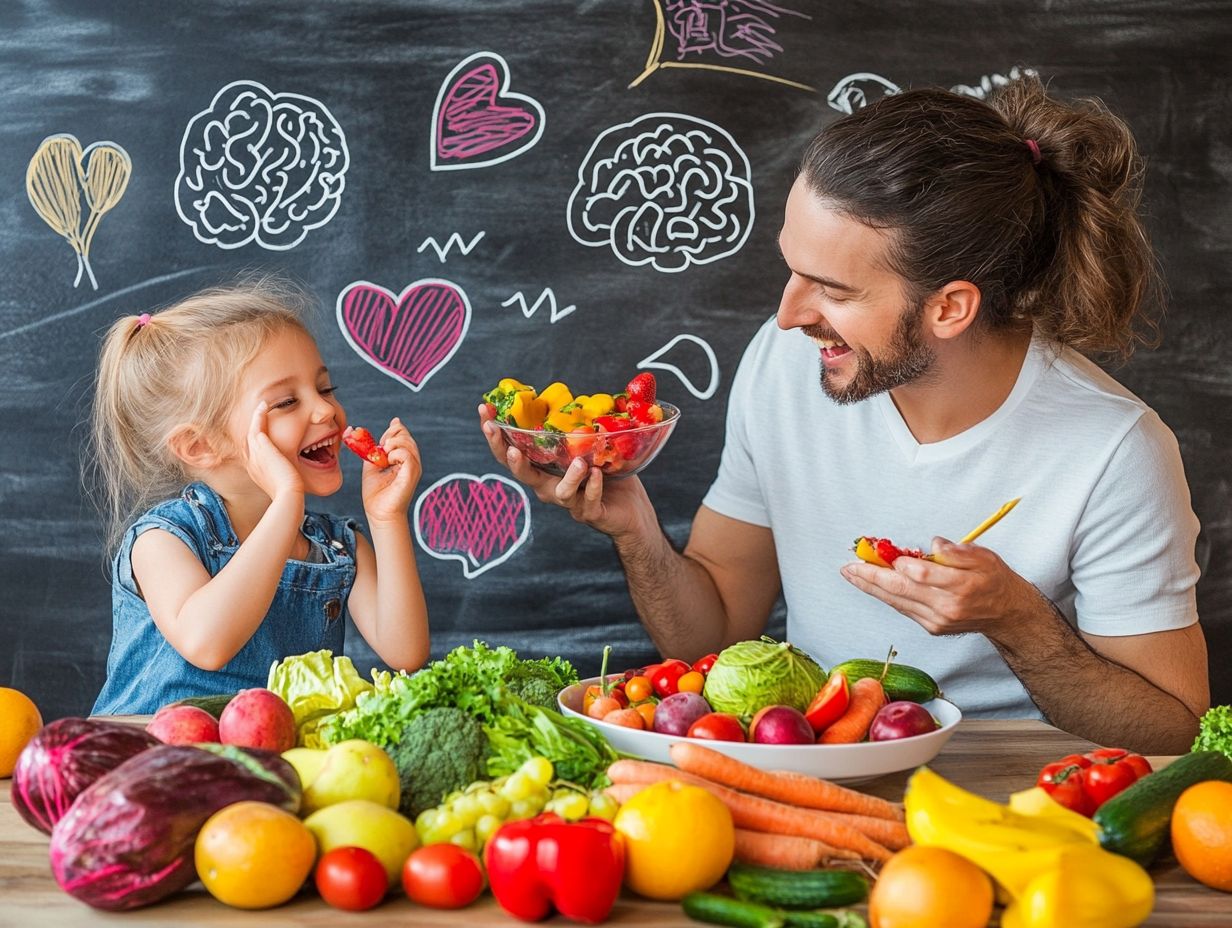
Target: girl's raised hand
[
  {"x": 267, "y": 466},
  {"x": 387, "y": 491}
]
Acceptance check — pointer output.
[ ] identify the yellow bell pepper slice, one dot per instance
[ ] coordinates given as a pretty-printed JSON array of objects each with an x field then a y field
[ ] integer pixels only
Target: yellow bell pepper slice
[
  {"x": 508, "y": 383},
  {"x": 599, "y": 404},
  {"x": 527, "y": 410},
  {"x": 565, "y": 420},
  {"x": 556, "y": 395},
  {"x": 866, "y": 552}
]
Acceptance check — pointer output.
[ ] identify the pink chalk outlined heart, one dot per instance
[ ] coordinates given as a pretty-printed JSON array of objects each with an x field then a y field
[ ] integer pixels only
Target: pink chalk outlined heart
[
  {"x": 409, "y": 336},
  {"x": 479, "y": 521},
  {"x": 477, "y": 120}
]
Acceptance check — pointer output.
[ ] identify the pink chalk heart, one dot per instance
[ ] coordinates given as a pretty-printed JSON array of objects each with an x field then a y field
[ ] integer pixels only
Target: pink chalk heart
[
  {"x": 409, "y": 336},
  {"x": 479, "y": 521},
  {"x": 477, "y": 120}
]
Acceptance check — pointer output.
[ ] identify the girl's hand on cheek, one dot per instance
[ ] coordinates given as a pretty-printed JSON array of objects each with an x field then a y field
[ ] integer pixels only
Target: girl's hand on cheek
[
  {"x": 267, "y": 466},
  {"x": 387, "y": 492}
]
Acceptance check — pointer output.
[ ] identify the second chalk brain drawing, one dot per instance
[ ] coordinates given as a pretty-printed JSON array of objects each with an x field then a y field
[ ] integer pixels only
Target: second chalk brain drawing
[
  {"x": 258, "y": 166},
  {"x": 666, "y": 189}
]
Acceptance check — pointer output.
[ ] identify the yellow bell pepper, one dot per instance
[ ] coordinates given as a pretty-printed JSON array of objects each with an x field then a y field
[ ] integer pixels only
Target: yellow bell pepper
[
  {"x": 508, "y": 383},
  {"x": 1085, "y": 887},
  {"x": 866, "y": 552},
  {"x": 527, "y": 410},
  {"x": 599, "y": 404},
  {"x": 556, "y": 395},
  {"x": 565, "y": 419}
]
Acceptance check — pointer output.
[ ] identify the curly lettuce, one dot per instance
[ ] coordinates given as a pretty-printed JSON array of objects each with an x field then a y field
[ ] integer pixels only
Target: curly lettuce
[{"x": 1215, "y": 731}]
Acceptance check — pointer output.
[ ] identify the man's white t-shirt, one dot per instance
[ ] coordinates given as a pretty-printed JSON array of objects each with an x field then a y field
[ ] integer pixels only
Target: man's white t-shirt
[{"x": 1105, "y": 528}]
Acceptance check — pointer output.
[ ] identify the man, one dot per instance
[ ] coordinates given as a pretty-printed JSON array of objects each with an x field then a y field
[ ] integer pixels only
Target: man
[{"x": 950, "y": 259}]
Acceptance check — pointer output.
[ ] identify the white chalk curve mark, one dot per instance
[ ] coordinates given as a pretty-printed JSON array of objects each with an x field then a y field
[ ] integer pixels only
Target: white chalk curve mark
[{"x": 652, "y": 362}]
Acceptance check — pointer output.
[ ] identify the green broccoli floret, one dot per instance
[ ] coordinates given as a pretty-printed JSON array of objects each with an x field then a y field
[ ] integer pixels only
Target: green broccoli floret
[
  {"x": 538, "y": 681},
  {"x": 442, "y": 750},
  {"x": 1215, "y": 731}
]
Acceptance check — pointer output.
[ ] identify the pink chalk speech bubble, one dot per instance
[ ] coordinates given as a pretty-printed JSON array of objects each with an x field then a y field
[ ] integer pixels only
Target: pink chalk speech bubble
[
  {"x": 409, "y": 336},
  {"x": 479, "y": 521},
  {"x": 477, "y": 120}
]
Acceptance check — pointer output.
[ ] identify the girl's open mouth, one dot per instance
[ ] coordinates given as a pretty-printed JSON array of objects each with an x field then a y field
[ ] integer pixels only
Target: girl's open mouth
[{"x": 323, "y": 453}]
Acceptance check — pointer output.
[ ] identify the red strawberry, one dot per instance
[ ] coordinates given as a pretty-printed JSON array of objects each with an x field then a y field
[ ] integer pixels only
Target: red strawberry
[
  {"x": 621, "y": 402},
  {"x": 360, "y": 441},
  {"x": 614, "y": 423},
  {"x": 642, "y": 387},
  {"x": 644, "y": 413}
]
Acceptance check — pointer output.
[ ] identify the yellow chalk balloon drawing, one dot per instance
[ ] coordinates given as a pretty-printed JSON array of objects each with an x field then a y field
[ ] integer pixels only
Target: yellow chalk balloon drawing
[{"x": 60, "y": 174}]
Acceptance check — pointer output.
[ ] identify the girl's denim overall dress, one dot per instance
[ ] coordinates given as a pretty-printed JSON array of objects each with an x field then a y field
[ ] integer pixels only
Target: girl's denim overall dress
[{"x": 144, "y": 672}]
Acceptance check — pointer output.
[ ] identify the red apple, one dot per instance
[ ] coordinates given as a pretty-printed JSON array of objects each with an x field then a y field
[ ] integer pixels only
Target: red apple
[
  {"x": 782, "y": 725},
  {"x": 258, "y": 718},
  {"x": 183, "y": 725},
  {"x": 901, "y": 719}
]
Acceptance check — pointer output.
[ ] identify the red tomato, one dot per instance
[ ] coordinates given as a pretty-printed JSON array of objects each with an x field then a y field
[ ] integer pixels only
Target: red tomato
[
  {"x": 717, "y": 726},
  {"x": 1070, "y": 793},
  {"x": 443, "y": 876},
  {"x": 351, "y": 878},
  {"x": 667, "y": 675},
  {"x": 1138, "y": 764},
  {"x": 703, "y": 664},
  {"x": 1103, "y": 781},
  {"x": 829, "y": 704}
]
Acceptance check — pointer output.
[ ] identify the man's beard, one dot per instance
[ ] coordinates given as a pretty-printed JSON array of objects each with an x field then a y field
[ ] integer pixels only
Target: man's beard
[{"x": 907, "y": 358}]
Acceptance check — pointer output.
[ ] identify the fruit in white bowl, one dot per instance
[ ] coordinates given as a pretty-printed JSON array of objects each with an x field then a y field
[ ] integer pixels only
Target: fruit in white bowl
[
  {"x": 674, "y": 714},
  {"x": 900, "y": 719},
  {"x": 781, "y": 725}
]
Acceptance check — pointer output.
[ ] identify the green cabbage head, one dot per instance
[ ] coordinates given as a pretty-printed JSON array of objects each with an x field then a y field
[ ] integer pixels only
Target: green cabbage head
[{"x": 752, "y": 674}]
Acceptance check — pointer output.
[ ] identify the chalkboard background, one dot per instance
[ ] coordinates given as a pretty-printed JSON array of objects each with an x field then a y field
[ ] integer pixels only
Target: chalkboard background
[{"x": 140, "y": 75}]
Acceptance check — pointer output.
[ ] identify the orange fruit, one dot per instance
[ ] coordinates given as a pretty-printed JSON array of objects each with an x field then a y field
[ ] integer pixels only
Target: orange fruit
[
  {"x": 927, "y": 887},
  {"x": 253, "y": 855},
  {"x": 1202, "y": 833},
  {"x": 678, "y": 839},
  {"x": 19, "y": 720}
]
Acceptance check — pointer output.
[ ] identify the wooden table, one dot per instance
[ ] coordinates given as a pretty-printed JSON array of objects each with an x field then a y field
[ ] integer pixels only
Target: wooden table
[{"x": 991, "y": 758}]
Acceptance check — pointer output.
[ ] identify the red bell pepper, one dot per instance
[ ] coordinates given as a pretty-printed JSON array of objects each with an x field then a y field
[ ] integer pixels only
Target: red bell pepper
[
  {"x": 830, "y": 703},
  {"x": 360, "y": 440},
  {"x": 1084, "y": 782},
  {"x": 537, "y": 864}
]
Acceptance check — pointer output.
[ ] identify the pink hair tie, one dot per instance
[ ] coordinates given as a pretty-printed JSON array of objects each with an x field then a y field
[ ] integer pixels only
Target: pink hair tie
[
  {"x": 143, "y": 320},
  {"x": 1036, "y": 157}
]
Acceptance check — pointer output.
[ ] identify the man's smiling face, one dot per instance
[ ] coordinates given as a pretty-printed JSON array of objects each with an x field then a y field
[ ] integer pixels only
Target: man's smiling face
[{"x": 843, "y": 295}]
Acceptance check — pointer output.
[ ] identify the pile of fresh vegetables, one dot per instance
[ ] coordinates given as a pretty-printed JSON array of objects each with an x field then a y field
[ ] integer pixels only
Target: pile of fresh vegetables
[{"x": 767, "y": 692}]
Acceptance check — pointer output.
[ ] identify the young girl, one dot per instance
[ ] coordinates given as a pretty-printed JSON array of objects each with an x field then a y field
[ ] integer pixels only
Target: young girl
[{"x": 226, "y": 392}]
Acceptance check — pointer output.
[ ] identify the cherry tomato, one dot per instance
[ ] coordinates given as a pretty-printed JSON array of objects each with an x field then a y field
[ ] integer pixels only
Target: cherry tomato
[
  {"x": 1138, "y": 764},
  {"x": 667, "y": 675},
  {"x": 646, "y": 710},
  {"x": 829, "y": 704},
  {"x": 1069, "y": 792},
  {"x": 690, "y": 682},
  {"x": 1103, "y": 781},
  {"x": 444, "y": 876},
  {"x": 703, "y": 664},
  {"x": 717, "y": 726},
  {"x": 351, "y": 878},
  {"x": 638, "y": 688}
]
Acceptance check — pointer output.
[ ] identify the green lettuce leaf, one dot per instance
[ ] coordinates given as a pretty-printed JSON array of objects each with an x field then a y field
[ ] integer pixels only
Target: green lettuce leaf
[{"x": 317, "y": 686}]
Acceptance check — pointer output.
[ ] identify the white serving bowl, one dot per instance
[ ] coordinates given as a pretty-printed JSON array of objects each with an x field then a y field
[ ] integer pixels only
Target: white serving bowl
[{"x": 838, "y": 762}]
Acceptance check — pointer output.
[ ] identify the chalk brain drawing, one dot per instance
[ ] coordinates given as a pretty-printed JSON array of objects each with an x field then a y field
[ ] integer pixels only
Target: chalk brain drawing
[
  {"x": 60, "y": 174},
  {"x": 667, "y": 190},
  {"x": 260, "y": 167},
  {"x": 480, "y": 521},
  {"x": 477, "y": 120},
  {"x": 408, "y": 336},
  {"x": 856, "y": 91}
]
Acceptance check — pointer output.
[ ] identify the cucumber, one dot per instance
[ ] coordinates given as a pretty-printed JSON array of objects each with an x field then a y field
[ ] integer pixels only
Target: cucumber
[
  {"x": 797, "y": 889},
  {"x": 900, "y": 682},
  {"x": 1135, "y": 822},
  {"x": 721, "y": 910},
  {"x": 213, "y": 704}
]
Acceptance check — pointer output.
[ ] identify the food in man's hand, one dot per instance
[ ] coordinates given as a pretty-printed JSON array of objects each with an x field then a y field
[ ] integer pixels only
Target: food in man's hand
[
  {"x": 360, "y": 440},
  {"x": 590, "y": 427},
  {"x": 881, "y": 551}
]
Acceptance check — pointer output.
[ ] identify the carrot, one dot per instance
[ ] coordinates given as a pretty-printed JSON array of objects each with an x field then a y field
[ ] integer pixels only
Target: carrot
[
  {"x": 623, "y": 792},
  {"x": 756, "y": 813},
  {"x": 867, "y": 696},
  {"x": 785, "y": 852},
  {"x": 796, "y": 789},
  {"x": 892, "y": 834}
]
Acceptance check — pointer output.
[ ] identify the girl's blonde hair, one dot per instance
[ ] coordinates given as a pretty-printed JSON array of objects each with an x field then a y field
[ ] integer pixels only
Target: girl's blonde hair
[{"x": 180, "y": 366}]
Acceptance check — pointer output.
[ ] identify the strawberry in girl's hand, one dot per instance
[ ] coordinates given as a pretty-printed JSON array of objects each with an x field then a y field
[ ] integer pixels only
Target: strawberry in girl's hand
[
  {"x": 642, "y": 387},
  {"x": 360, "y": 441}
]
